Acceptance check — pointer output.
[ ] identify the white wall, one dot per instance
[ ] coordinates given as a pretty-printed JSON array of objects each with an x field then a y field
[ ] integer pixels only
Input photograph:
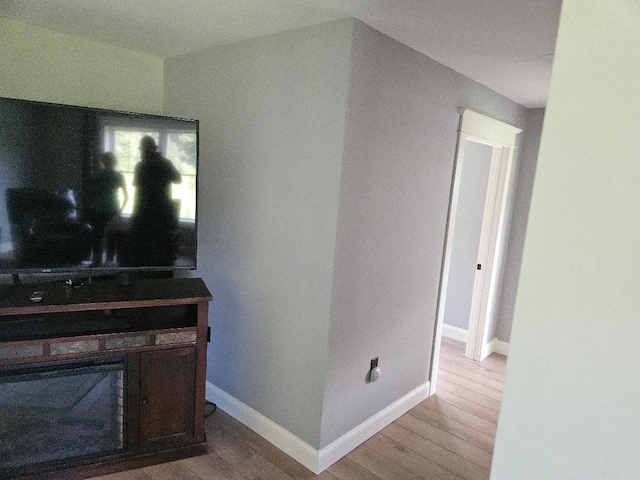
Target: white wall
[
  {"x": 272, "y": 114},
  {"x": 40, "y": 64},
  {"x": 396, "y": 178},
  {"x": 570, "y": 409},
  {"x": 524, "y": 175},
  {"x": 474, "y": 178}
]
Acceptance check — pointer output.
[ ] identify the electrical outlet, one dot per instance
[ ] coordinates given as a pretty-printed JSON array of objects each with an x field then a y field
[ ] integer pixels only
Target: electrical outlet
[{"x": 374, "y": 370}]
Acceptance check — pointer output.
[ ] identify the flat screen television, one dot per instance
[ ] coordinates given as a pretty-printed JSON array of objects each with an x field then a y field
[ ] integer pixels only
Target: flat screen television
[{"x": 94, "y": 190}]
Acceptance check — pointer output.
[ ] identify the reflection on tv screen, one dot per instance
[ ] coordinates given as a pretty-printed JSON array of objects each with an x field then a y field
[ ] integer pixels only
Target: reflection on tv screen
[{"x": 85, "y": 188}]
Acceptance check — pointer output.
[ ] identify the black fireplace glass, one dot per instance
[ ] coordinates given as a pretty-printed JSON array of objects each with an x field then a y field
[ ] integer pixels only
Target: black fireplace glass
[{"x": 57, "y": 411}]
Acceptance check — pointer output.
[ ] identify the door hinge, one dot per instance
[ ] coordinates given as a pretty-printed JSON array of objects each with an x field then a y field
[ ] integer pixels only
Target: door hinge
[
  {"x": 208, "y": 334},
  {"x": 479, "y": 267}
]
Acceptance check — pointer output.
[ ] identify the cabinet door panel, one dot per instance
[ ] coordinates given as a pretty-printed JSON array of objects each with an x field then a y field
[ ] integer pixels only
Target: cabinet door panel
[{"x": 167, "y": 380}]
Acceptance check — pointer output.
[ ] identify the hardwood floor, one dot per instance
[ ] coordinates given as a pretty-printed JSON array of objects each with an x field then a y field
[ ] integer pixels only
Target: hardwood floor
[{"x": 448, "y": 436}]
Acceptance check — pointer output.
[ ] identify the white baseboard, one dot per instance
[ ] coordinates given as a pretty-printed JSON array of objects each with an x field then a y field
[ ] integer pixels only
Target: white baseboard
[
  {"x": 501, "y": 347},
  {"x": 456, "y": 333},
  {"x": 350, "y": 440},
  {"x": 263, "y": 426},
  {"x": 314, "y": 460},
  {"x": 494, "y": 346}
]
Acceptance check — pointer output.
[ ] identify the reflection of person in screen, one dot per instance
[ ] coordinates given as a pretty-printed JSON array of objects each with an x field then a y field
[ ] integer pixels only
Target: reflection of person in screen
[
  {"x": 104, "y": 204},
  {"x": 155, "y": 219}
]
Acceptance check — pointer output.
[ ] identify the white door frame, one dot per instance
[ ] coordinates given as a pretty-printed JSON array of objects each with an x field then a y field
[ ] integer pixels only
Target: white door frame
[{"x": 502, "y": 137}]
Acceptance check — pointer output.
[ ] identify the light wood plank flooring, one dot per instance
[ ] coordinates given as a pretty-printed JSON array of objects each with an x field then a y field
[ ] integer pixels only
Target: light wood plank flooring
[{"x": 448, "y": 436}]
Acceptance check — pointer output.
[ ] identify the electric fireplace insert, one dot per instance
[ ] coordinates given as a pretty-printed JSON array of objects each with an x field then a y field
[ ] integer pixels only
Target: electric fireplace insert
[{"x": 63, "y": 410}]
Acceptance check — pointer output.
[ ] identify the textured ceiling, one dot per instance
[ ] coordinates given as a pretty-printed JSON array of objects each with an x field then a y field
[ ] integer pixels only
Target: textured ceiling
[{"x": 503, "y": 44}]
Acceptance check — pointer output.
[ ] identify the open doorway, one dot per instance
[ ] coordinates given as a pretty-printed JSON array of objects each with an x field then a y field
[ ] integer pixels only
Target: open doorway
[
  {"x": 474, "y": 169},
  {"x": 473, "y": 256}
]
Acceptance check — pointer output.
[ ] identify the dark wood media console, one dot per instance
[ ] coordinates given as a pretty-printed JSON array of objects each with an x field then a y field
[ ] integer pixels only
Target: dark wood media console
[{"x": 125, "y": 362}]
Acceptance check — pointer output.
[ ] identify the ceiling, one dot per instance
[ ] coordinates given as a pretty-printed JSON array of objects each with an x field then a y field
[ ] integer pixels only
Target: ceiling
[{"x": 503, "y": 44}]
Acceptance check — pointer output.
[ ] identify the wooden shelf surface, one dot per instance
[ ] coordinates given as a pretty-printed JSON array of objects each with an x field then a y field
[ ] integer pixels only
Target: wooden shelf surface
[{"x": 103, "y": 294}]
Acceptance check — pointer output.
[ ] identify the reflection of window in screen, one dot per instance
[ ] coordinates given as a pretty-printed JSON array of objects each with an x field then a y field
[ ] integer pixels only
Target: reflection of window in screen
[{"x": 177, "y": 146}]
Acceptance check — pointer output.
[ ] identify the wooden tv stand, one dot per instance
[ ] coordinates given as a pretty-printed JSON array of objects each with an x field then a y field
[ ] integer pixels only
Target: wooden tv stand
[{"x": 158, "y": 330}]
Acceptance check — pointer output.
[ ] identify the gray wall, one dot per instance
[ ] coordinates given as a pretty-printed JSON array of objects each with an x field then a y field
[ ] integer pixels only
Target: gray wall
[
  {"x": 474, "y": 176},
  {"x": 570, "y": 407},
  {"x": 525, "y": 173},
  {"x": 323, "y": 247},
  {"x": 396, "y": 179},
  {"x": 272, "y": 114}
]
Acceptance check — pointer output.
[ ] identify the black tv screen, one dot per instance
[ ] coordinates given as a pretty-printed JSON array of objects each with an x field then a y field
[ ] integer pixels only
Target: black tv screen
[{"x": 96, "y": 190}]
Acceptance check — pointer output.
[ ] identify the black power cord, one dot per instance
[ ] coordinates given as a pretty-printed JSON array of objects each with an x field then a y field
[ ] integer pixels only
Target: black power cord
[{"x": 209, "y": 408}]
